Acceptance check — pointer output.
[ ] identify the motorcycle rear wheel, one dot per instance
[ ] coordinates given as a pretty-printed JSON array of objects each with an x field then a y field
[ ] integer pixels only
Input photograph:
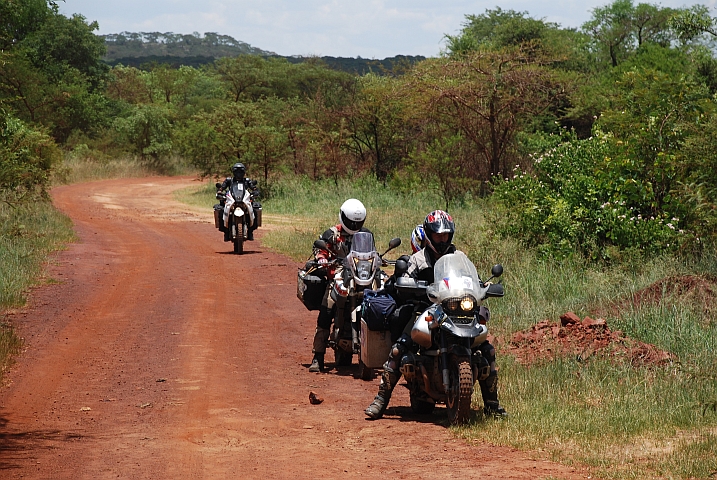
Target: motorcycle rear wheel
[
  {"x": 364, "y": 372},
  {"x": 460, "y": 393},
  {"x": 342, "y": 357}
]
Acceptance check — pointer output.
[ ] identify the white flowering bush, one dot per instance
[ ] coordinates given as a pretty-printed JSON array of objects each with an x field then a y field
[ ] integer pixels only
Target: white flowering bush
[{"x": 576, "y": 200}]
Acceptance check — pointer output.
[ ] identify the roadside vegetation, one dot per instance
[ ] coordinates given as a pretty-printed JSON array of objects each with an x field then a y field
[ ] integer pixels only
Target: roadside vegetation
[
  {"x": 583, "y": 160},
  {"x": 624, "y": 420}
]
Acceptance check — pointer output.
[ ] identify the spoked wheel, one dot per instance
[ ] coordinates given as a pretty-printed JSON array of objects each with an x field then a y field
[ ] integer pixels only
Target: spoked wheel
[
  {"x": 238, "y": 235},
  {"x": 365, "y": 373},
  {"x": 459, "y": 395}
]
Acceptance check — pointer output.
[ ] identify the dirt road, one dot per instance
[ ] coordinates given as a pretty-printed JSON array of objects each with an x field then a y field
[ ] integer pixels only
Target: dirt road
[{"x": 160, "y": 355}]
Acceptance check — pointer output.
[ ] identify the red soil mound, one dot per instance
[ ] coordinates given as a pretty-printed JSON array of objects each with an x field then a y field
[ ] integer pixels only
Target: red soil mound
[{"x": 573, "y": 337}]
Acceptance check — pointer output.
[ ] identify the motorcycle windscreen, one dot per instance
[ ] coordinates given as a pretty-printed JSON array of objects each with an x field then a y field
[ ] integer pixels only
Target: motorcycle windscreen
[
  {"x": 454, "y": 276},
  {"x": 362, "y": 245},
  {"x": 237, "y": 191}
]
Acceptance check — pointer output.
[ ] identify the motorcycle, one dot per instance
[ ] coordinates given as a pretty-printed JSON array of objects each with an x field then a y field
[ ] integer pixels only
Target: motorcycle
[
  {"x": 445, "y": 368},
  {"x": 244, "y": 212},
  {"x": 361, "y": 271}
]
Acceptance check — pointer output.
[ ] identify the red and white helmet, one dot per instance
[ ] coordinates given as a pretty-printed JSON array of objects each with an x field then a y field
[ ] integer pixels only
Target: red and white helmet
[
  {"x": 418, "y": 237},
  {"x": 439, "y": 221},
  {"x": 352, "y": 215}
]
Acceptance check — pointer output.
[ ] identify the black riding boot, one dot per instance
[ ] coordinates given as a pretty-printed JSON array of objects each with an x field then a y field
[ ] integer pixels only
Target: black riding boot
[
  {"x": 317, "y": 364},
  {"x": 489, "y": 390},
  {"x": 250, "y": 234},
  {"x": 389, "y": 379}
]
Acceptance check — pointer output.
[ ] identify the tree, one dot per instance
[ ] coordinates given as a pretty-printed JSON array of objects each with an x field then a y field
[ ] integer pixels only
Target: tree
[
  {"x": 611, "y": 28},
  {"x": 148, "y": 131},
  {"x": 488, "y": 96},
  {"x": 376, "y": 121},
  {"x": 26, "y": 159},
  {"x": 215, "y": 140}
]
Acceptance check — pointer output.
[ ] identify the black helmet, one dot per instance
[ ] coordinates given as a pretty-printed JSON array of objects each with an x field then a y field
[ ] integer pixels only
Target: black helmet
[
  {"x": 438, "y": 221},
  {"x": 238, "y": 170}
]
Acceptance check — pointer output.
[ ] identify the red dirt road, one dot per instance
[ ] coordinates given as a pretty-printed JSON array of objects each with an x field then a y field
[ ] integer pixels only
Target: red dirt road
[{"x": 160, "y": 355}]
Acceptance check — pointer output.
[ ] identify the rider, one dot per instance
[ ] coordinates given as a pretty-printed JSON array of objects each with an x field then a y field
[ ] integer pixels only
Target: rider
[
  {"x": 352, "y": 216},
  {"x": 238, "y": 176},
  {"x": 439, "y": 229}
]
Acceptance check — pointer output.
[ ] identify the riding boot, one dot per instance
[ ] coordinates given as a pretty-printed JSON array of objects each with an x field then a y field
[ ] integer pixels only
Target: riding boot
[
  {"x": 489, "y": 390},
  {"x": 317, "y": 364},
  {"x": 227, "y": 235},
  {"x": 321, "y": 338},
  {"x": 389, "y": 379},
  {"x": 250, "y": 234}
]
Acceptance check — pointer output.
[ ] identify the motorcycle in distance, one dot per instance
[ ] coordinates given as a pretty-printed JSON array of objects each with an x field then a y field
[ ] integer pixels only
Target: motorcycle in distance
[
  {"x": 445, "y": 369},
  {"x": 244, "y": 212},
  {"x": 361, "y": 271}
]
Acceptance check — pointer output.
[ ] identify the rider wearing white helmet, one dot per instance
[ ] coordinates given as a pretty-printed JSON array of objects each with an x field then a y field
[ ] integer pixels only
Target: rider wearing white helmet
[{"x": 352, "y": 216}]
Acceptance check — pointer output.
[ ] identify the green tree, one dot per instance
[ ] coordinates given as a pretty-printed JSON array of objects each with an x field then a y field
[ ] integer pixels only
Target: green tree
[
  {"x": 376, "y": 121},
  {"x": 26, "y": 159},
  {"x": 487, "y": 96},
  {"x": 147, "y": 130}
]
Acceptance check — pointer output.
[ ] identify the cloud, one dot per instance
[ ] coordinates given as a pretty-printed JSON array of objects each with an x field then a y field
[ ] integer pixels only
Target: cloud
[{"x": 368, "y": 28}]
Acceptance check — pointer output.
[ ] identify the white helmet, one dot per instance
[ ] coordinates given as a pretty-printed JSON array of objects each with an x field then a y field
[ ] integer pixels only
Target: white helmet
[{"x": 352, "y": 215}]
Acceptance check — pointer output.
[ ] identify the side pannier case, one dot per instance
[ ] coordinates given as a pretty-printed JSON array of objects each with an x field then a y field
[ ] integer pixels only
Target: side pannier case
[{"x": 310, "y": 289}]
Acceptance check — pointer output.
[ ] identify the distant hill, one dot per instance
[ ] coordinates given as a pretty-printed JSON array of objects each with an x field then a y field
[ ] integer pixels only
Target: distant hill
[
  {"x": 141, "y": 49},
  {"x": 147, "y": 44}
]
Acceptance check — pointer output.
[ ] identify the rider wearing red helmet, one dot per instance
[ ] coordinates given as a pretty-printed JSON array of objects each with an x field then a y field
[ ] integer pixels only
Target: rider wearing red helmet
[{"x": 439, "y": 229}]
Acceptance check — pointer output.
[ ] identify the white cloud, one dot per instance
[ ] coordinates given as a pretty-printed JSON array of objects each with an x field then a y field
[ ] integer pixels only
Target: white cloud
[{"x": 368, "y": 28}]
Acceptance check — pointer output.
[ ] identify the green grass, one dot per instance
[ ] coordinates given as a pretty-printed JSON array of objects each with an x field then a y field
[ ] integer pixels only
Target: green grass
[
  {"x": 28, "y": 233},
  {"x": 621, "y": 421}
]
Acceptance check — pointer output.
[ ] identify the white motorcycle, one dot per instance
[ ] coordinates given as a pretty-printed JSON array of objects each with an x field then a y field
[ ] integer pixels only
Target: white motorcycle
[
  {"x": 446, "y": 367},
  {"x": 361, "y": 271},
  {"x": 237, "y": 215}
]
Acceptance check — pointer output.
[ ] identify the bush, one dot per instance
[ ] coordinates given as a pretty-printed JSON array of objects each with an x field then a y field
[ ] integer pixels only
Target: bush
[
  {"x": 26, "y": 159},
  {"x": 577, "y": 201}
]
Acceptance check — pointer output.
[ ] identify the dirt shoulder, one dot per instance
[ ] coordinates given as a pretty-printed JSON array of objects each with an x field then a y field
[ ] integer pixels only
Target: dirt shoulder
[{"x": 159, "y": 354}]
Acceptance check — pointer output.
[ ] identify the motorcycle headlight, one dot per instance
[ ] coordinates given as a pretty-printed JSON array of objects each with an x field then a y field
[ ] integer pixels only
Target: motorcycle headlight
[
  {"x": 466, "y": 303},
  {"x": 364, "y": 269}
]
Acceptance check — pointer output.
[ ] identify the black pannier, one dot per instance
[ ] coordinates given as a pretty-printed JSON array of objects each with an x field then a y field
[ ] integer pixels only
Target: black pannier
[
  {"x": 218, "y": 216},
  {"x": 310, "y": 289},
  {"x": 376, "y": 309}
]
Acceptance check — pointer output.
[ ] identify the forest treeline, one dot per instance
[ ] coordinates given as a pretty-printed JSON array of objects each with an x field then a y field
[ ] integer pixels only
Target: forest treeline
[{"x": 594, "y": 139}]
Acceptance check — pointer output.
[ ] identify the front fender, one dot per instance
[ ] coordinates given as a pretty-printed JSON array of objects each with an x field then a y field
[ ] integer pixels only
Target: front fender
[{"x": 459, "y": 351}]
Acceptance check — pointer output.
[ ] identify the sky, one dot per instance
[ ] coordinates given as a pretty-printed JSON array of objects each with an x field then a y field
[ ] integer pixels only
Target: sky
[{"x": 373, "y": 29}]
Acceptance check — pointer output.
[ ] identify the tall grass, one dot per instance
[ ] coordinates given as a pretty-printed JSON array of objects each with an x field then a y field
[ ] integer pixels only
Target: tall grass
[
  {"x": 27, "y": 234},
  {"x": 621, "y": 421},
  {"x": 81, "y": 166}
]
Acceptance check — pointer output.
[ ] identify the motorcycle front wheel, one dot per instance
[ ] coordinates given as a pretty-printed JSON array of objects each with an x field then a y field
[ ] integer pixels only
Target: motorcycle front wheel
[
  {"x": 238, "y": 234},
  {"x": 460, "y": 392}
]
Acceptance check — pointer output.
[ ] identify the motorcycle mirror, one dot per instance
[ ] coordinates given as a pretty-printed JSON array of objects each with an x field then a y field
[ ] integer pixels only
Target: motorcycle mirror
[
  {"x": 496, "y": 271},
  {"x": 218, "y": 185},
  {"x": 320, "y": 244},
  {"x": 395, "y": 242}
]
